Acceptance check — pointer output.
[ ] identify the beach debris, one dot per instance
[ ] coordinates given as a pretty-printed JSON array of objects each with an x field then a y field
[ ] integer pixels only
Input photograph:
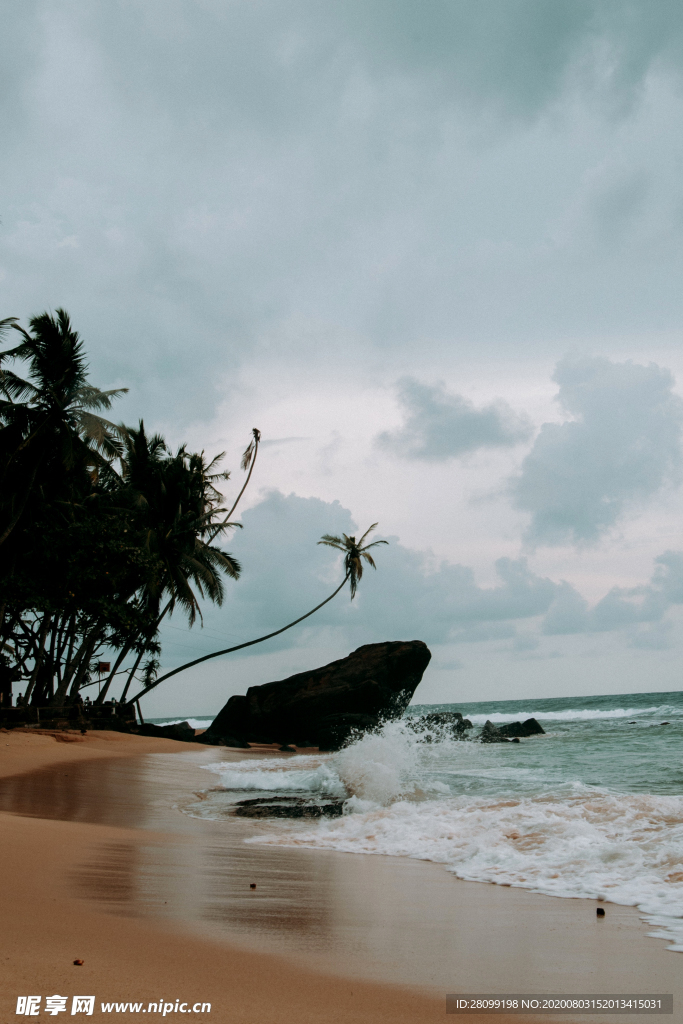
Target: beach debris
[
  {"x": 78, "y": 963},
  {"x": 600, "y": 912},
  {"x": 327, "y": 705},
  {"x": 252, "y": 885},
  {"x": 288, "y": 807}
]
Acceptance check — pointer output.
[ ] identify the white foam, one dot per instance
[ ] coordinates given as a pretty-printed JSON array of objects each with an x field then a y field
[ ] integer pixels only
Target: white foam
[
  {"x": 573, "y": 840},
  {"x": 194, "y": 723},
  {"x": 573, "y": 715},
  {"x": 268, "y": 776}
]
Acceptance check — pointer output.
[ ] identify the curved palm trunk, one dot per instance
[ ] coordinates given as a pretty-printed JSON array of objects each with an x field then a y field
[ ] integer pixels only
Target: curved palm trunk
[
  {"x": 215, "y": 533},
  {"x": 229, "y": 650}
]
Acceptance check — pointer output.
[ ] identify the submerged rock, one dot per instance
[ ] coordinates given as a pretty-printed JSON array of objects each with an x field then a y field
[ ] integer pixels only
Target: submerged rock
[
  {"x": 327, "y": 705},
  {"x": 528, "y": 728},
  {"x": 511, "y": 732},
  {"x": 288, "y": 807}
]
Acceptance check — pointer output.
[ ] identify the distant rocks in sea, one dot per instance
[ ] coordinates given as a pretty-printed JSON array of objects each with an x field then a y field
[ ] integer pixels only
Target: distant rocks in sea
[
  {"x": 439, "y": 725},
  {"x": 327, "y": 706},
  {"x": 177, "y": 731},
  {"x": 511, "y": 732}
]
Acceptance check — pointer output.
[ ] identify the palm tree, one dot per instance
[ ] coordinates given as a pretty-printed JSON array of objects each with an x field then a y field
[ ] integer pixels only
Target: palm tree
[
  {"x": 354, "y": 554},
  {"x": 176, "y": 500},
  {"x": 248, "y": 462},
  {"x": 52, "y": 437}
]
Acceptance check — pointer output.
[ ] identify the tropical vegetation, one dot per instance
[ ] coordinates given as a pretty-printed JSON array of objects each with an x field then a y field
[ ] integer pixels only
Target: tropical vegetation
[{"x": 104, "y": 530}]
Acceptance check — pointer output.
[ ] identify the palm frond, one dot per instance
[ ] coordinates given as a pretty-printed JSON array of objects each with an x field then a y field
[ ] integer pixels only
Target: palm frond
[{"x": 250, "y": 450}]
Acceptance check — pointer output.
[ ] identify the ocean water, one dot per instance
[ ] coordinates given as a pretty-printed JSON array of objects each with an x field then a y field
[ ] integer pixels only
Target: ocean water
[{"x": 592, "y": 809}]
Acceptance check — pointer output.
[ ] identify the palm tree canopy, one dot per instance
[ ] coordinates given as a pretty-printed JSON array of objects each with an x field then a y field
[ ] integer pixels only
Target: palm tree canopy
[
  {"x": 355, "y": 552},
  {"x": 178, "y": 501}
]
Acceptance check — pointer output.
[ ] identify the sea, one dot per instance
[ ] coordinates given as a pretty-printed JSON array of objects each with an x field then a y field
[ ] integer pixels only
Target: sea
[{"x": 593, "y": 808}]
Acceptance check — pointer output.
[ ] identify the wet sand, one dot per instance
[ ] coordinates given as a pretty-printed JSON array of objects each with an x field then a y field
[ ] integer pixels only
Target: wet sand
[{"x": 162, "y": 900}]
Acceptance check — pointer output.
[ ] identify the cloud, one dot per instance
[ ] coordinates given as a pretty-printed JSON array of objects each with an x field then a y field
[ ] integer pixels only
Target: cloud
[
  {"x": 199, "y": 183},
  {"x": 440, "y": 426},
  {"x": 639, "y": 610},
  {"x": 622, "y": 445},
  {"x": 286, "y": 573}
]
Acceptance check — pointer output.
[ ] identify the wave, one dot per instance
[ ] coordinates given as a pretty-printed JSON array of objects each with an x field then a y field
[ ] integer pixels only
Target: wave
[
  {"x": 575, "y": 714},
  {"x": 194, "y": 723},
  {"x": 565, "y": 839},
  {"x": 623, "y": 848},
  {"x": 261, "y": 776}
]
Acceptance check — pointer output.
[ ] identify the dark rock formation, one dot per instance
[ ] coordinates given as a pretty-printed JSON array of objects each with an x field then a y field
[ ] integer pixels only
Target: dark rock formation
[
  {"x": 448, "y": 724},
  {"x": 327, "y": 705},
  {"x": 288, "y": 807},
  {"x": 177, "y": 731},
  {"x": 511, "y": 732},
  {"x": 225, "y": 740}
]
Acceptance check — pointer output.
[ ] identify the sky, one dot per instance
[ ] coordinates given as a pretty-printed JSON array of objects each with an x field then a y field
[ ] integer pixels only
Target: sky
[{"x": 434, "y": 253}]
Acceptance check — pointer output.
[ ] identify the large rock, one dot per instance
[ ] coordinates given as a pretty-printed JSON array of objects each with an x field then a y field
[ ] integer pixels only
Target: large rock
[{"x": 327, "y": 705}]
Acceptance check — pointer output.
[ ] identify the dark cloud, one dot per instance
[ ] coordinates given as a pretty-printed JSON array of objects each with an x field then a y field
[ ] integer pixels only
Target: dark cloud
[
  {"x": 196, "y": 181},
  {"x": 285, "y": 573},
  {"x": 621, "y": 446},
  {"x": 440, "y": 426}
]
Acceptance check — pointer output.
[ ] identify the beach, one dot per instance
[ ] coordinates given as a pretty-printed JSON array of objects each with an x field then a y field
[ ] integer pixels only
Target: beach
[{"x": 103, "y": 866}]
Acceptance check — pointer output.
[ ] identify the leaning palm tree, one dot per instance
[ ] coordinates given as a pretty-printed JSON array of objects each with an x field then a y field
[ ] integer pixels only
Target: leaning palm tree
[{"x": 355, "y": 552}]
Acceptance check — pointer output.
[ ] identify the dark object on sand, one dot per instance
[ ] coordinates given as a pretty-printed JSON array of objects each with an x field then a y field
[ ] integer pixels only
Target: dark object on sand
[
  {"x": 327, "y": 705},
  {"x": 447, "y": 724},
  {"x": 287, "y": 749},
  {"x": 288, "y": 807},
  {"x": 252, "y": 885},
  {"x": 600, "y": 912},
  {"x": 78, "y": 963},
  {"x": 512, "y": 731}
]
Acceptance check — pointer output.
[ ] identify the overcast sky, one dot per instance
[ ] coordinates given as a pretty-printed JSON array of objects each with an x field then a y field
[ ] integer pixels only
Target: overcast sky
[{"x": 434, "y": 252}]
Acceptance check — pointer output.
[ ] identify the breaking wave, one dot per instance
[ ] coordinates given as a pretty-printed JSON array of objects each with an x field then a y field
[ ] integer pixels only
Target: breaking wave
[{"x": 524, "y": 825}]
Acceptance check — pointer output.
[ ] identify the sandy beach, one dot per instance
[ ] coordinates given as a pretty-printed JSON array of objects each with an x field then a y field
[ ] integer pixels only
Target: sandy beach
[{"x": 101, "y": 865}]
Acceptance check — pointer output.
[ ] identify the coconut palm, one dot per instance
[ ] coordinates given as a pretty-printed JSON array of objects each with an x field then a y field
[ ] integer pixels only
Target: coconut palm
[
  {"x": 176, "y": 502},
  {"x": 354, "y": 554},
  {"x": 52, "y": 437},
  {"x": 248, "y": 462}
]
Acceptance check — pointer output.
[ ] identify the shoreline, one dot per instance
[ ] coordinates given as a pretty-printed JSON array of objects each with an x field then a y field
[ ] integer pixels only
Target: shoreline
[{"x": 398, "y": 933}]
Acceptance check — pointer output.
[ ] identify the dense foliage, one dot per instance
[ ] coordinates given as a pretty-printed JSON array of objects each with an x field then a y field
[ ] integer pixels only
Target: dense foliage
[{"x": 103, "y": 529}]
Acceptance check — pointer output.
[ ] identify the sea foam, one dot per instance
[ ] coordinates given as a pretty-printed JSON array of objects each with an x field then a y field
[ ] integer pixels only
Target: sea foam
[{"x": 562, "y": 838}]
